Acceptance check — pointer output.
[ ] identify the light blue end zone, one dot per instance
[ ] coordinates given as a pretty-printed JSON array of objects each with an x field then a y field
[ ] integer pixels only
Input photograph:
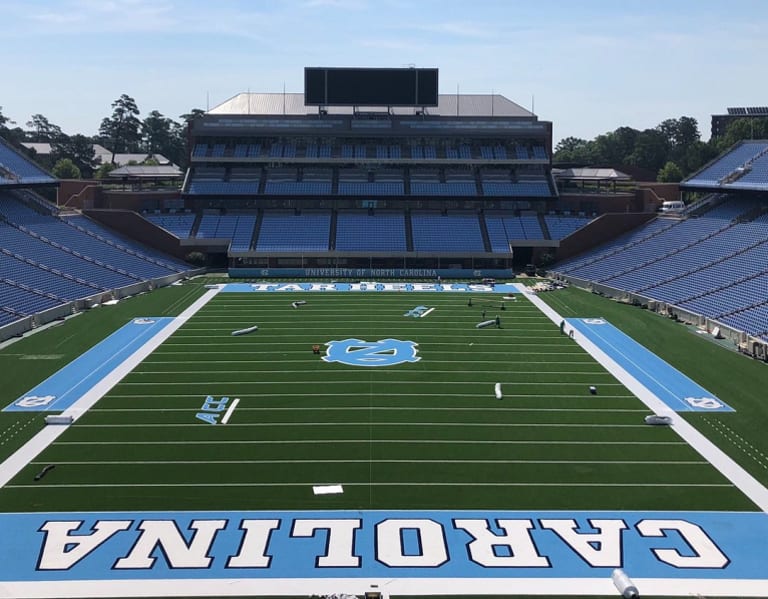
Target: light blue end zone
[
  {"x": 62, "y": 389},
  {"x": 670, "y": 385},
  {"x": 573, "y": 544}
]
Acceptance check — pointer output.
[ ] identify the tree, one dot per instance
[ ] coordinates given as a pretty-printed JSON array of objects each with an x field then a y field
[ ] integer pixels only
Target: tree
[
  {"x": 14, "y": 135},
  {"x": 651, "y": 150},
  {"x": 104, "y": 169},
  {"x": 573, "y": 149},
  {"x": 3, "y": 120},
  {"x": 670, "y": 173},
  {"x": 123, "y": 128},
  {"x": 66, "y": 169},
  {"x": 156, "y": 132},
  {"x": 43, "y": 130},
  {"x": 78, "y": 149},
  {"x": 192, "y": 115},
  {"x": 616, "y": 146}
]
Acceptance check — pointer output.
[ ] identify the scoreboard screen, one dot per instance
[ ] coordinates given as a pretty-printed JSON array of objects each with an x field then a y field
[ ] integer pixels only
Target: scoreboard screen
[{"x": 369, "y": 87}]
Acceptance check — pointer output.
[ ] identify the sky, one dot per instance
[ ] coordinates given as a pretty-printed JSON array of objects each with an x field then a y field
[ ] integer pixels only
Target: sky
[{"x": 589, "y": 66}]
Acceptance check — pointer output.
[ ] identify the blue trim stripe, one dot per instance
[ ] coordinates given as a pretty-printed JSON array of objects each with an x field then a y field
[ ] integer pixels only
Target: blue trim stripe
[
  {"x": 670, "y": 385},
  {"x": 62, "y": 389}
]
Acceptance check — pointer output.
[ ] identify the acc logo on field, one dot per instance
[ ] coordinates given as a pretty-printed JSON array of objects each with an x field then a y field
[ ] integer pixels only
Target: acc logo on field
[
  {"x": 384, "y": 352},
  {"x": 707, "y": 403},
  {"x": 143, "y": 321},
  {"x": 35, "y": 401},
  {"x": 593, "y": 321}
]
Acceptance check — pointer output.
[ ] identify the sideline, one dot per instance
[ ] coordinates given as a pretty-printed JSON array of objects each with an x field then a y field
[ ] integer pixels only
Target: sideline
[
  {"x": 744, "y": 481},
  {"x": 32, "y": 448}
]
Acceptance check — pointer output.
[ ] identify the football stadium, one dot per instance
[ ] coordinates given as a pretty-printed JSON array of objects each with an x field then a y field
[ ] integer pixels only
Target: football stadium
[{"x": 373, "y": 347}]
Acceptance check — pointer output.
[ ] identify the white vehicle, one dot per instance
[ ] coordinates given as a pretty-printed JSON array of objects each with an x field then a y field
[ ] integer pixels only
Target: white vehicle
[{"x": 672, "y": 206}]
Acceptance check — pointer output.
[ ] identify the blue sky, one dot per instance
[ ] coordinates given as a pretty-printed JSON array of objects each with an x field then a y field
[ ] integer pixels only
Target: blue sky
[{"x": 589, "y": 66}]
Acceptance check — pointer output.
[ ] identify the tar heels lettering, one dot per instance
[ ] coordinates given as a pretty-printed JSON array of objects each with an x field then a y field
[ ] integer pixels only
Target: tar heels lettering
[
  {"x": 385, "y": 352},
  {"x": 296, "y": 545}
]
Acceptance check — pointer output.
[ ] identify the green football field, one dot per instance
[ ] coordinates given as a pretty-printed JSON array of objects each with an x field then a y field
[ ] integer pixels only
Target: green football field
[{"x": 428, "y": 434}]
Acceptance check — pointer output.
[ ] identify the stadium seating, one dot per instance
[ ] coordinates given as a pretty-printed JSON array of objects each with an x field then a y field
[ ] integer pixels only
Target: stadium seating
[
  {"x": 561, "y": 226},
  {"x": 178, "y": 224},
  {"x": 713, "y": 265},
  {"x": 433, "y": 231},
  {"x": 718, "y": 171},
  {"x": 15, "y": 168},
  {"x": 237, "y": 227},
  {"x": 290, "y": 232},
  {"x": 360, "y": 231},
  {"x": 68, "y": 258}
]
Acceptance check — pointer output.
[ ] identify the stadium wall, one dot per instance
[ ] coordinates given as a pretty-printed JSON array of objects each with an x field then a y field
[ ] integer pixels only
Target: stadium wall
[
  {"x": 131, "y": 224},
  {"x": 19, "y": 327},
  {"x": 601, "y": 230}
]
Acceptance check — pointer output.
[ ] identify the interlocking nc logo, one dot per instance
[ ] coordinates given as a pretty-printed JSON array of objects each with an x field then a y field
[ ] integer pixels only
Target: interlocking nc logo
[
  {"x": 707, "y": 403},
  {"x": 35, "y": 401},
  {"x": 385, "y": 352}
]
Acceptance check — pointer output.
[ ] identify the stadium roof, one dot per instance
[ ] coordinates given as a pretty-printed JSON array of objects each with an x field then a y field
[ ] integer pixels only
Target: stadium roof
[
  {"x": 448, "y": 105},
  {"x": 147, "y": 172},
  {"x": 591, "y": 174}
]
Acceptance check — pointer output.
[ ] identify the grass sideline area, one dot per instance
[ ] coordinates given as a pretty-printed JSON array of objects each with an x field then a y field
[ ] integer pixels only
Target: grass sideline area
[{"x": 738, "y": 380}]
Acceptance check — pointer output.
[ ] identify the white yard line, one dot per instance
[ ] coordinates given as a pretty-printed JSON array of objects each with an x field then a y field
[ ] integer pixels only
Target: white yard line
[
  {"x": 367, "y": 441},
  {"x": 462, "y": 484},
  {"x": 231, "y": 409},
  {"x": 32, "y": 448},
  {"x": 382, "y": 461},
  {"x": 744, "y": 481}
]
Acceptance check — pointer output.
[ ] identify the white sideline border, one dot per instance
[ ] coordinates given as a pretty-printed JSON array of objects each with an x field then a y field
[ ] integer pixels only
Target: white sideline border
[
  {"x": 731, "y": 470},
  {"x": 32, "y": 448},
  {"x": 232, "y": 587}
]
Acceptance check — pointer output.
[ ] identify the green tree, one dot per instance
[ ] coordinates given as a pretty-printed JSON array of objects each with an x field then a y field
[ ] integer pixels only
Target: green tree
[
  {"x": 42, "y": 130},
  {"x": 573, "y": 149},
  {"x": 77, "y": 148},
  {"x": 123, "y": 128},
  {"x": 104, "y": 169},
  {"x": 13, "y": 135},
  {"x": 651, "y": 150},
  {"x": 156, "y": 132},
  {"x": 192, "y": 115},
  {"x": 616, "y": 146},
  {"x": 4, "y": 120},
  {"x": 66, "y": 169},
  {"x": 670, "y": 173}
]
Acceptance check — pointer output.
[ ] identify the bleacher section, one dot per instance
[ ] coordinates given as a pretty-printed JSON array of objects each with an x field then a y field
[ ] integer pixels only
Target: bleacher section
[
  {"x": 745, "y": 166},
  {"x": 503, "y": 228},
  {"x": 356, "y": 231},
  {"x": 290, "y": 232},
  {"x": 16, "y": 169},
  {"x": 437, "y": 232},
  {"x": 286, "y": 182},
  {"x": 715, "y": 264},
  {"x": 560, "y": 226},
  {"x": 179, "y": 225},
  {"x": 237, "y": 227},
  {"x": 47, "y": 261}
]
